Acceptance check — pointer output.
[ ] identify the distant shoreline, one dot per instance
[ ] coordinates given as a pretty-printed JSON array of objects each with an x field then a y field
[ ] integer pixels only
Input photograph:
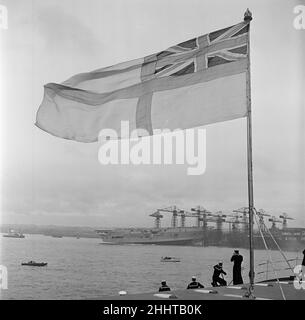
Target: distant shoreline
[
  {"x": 51, "y": 230},
  {"x": 55, "y": 230}
]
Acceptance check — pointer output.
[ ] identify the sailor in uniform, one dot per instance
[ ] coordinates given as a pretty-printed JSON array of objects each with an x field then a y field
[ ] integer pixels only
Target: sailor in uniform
[
  {"x": 237, "y": 259},
  {"x": 217, "y": 281},
  {"x": 194, "y": 284},
  {"x": 164, "y": 286}
]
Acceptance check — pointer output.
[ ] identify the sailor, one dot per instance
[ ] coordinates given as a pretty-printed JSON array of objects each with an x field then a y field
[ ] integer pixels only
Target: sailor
[
  {"x": 217, "y": 281},
  {"x": 194, "y": 284},
  {"x": 164, "y": 286},
  {"x": 237, "y": 259}
]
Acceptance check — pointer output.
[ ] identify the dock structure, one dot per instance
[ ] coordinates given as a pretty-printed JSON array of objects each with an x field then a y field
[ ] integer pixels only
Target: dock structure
[{"x": 284, "y": 289}]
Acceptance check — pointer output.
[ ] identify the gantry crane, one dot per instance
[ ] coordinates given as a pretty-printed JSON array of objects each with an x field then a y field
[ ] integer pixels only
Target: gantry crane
[
  {"x": 261, "y": 213},
  {"x": 219, "y": 218},
  {"x": 176, "y": 212},
  {"x": 203, "y": 216},
  {"x": 245, "y": 220},
  {"x": 284, "y": 216},
  {"x": 274, "y": 221},
  {"x": 157, "y": 215},
  {"x": 234, "y": 220},
  {"x": 201, "y": 213}
]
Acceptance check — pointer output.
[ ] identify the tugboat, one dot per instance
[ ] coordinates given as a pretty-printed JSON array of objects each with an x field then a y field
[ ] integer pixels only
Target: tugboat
[
  {"x": 34, "y": 264},
  {"x": 14, "y": 234}
]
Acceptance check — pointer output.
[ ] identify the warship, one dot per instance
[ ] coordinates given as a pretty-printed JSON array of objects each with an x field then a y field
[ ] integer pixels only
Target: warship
[{"x": 210, "y": 229}]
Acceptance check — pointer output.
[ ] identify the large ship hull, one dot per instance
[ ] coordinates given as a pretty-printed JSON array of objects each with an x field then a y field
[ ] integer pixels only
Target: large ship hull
[
  {"x": 164, "y": 236},
  {"x": 290, "y": 239}
]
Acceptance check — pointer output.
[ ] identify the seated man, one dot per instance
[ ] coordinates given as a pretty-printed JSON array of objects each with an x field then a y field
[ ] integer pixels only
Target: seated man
[
  {"x": 217, "y": 281},
  {"x": 194, "y": 284},
  {"x": 164, "y": 286}
]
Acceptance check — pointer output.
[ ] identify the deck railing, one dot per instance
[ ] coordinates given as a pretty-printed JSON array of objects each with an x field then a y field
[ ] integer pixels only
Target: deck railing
[{"x": 269, "y": 269}]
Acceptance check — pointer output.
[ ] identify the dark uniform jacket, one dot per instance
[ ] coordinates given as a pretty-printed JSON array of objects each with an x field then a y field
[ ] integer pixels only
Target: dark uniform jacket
[
  {"x": 164, "y": 288},
  {"x": 218, "y": 271},
  {"x": 237, "y": 259},
  {"x": 303, "y": 262},
  {"x": 195, "y": 285}
]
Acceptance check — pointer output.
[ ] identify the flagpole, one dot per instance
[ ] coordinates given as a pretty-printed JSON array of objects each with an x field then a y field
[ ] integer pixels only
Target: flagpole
[{"x": 248, "y": 18}]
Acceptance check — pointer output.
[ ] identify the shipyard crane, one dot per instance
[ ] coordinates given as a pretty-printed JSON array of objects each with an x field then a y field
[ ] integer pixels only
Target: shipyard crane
[
  {"x": 204, "y": 215},
  {"x": 157, "y": 215},
  {"x": 245, "y": 212},
  {"x": 183, "y": 214},
  {"x": 175, "y": 211},
  {"x": 274, "y": 221},
  {"x": 234, "y": 220},
  {"x": 261, "y": 213},
  {"x": 212, "y": 217},
  {"x": 284, "y": 216},
  {"x": 201, "y": 214},
  {"x": 219, "y": 218}
]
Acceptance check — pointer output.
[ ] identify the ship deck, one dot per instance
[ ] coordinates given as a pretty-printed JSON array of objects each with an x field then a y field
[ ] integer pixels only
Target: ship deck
[{"x": 262, "y": 291}]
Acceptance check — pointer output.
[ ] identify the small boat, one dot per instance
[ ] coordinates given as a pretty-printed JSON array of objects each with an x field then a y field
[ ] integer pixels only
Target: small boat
[
  {"x": 170, "y": 259},
  {"x": 34, "y": 264},
  {"x": 14, "y": 234}
]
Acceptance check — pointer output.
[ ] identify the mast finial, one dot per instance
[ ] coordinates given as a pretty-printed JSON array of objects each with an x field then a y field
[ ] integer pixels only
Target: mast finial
[{"x": 247, "y": 15}]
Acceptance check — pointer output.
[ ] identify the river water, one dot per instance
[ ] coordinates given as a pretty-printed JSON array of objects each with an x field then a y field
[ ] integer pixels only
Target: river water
[{"x": 86, "y": 269}]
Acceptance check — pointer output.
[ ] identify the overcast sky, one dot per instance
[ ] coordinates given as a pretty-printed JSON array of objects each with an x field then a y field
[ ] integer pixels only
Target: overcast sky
[{"x": 47, "y": 180}]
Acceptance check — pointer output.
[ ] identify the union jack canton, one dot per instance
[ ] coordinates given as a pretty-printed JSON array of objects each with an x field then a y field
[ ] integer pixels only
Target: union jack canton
[{"x": 215, "y": 48}]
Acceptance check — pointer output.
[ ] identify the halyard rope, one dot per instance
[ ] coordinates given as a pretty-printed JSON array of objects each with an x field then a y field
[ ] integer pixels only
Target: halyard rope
[
  {"x": 279, "y": 248},
  {"x": 270, "y": 258}
]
